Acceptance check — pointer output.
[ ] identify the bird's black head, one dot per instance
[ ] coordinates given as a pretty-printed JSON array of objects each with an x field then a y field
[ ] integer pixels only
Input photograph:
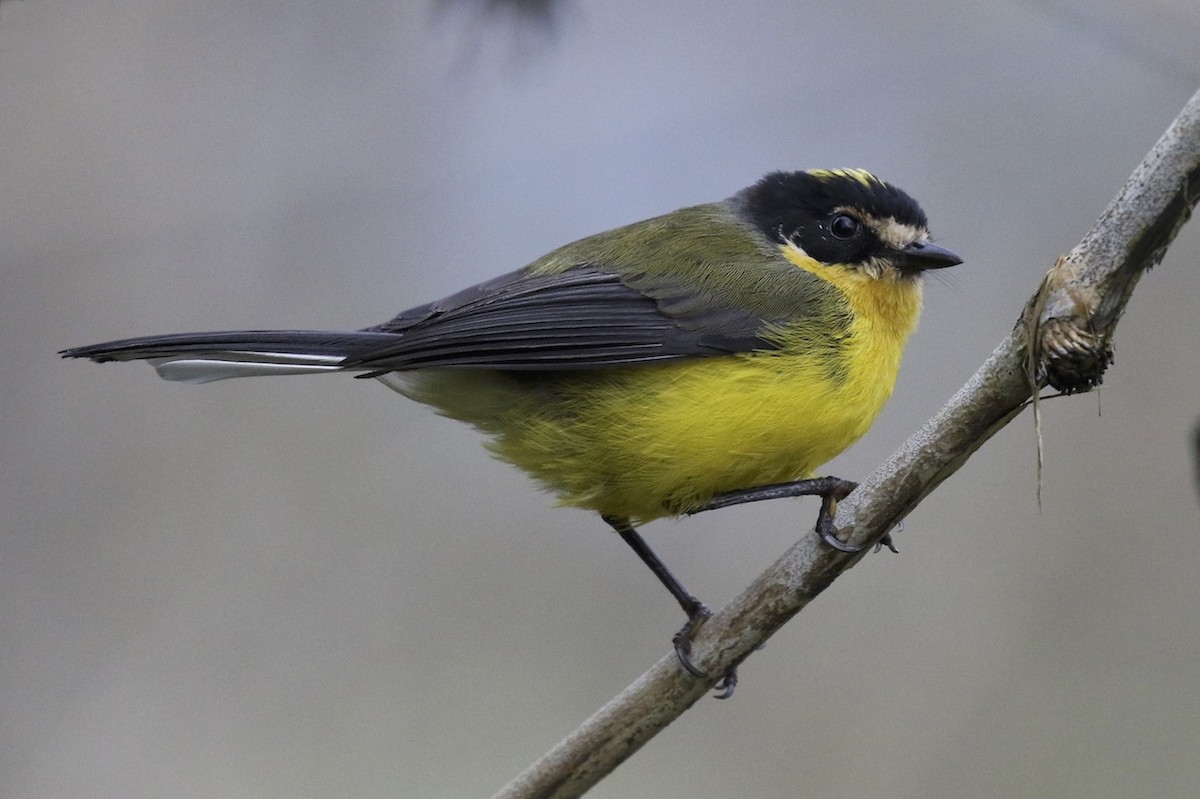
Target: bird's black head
[{"x": 845, "y": 216}]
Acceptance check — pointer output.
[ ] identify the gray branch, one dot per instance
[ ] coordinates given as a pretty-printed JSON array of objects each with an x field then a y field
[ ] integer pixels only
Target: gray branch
[{"x": 1063, "y": 338}]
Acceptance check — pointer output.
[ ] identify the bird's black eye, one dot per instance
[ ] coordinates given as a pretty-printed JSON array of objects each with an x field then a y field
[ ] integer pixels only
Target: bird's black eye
[{"x": 844, "y": 226}]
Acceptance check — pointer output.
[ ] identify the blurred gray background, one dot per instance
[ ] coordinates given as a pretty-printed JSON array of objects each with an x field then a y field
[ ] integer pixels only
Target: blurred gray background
[{"x": 311, "y": 587}]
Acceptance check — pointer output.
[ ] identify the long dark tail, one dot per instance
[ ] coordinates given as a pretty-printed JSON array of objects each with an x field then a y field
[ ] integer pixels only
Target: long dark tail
[{"x": 204, "y": 357}]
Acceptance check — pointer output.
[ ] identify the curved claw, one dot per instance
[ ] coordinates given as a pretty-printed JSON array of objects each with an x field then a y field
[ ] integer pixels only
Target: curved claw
[
  {"x": 683, "y": 641},
  {"x": 826, "y": 533},
  {"x": 683, "y": 651},
  {"x": 724, "y": 689},
  {"x": 825, "y": 527}
]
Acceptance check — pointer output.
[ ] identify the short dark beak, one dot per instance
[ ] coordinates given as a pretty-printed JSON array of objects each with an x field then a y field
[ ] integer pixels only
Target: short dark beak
[{"x": 922, "y": 255}]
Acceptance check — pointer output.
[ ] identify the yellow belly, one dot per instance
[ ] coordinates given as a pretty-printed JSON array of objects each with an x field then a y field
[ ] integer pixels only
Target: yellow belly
[
  {"x": 693, "y": 431},
  {"x": 646, "y": 442},
  {"x": 651, "y": 441}
]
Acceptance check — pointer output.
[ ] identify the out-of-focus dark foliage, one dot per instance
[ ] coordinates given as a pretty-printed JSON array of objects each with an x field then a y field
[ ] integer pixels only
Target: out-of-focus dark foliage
[{"x": 525, "y": 12}]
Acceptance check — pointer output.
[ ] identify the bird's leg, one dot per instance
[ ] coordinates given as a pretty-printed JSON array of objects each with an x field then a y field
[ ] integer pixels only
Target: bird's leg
[
  {"x": 829, "y": 489},
  {"x": 696, "y": 611}
]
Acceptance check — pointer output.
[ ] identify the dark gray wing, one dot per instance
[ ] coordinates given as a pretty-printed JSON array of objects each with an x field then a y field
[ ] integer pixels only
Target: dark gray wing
[
  {"x": 582, "y": 317},
  {"x": 693, "y": 283},
  {"x": 330, "y": 345}
]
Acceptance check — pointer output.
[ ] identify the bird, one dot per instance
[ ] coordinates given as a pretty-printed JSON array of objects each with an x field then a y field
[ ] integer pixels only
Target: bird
[{"x": 714, "y": 355}]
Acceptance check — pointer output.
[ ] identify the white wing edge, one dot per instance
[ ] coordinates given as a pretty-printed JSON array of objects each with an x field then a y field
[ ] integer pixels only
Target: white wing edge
[{"x": 190, "y": 369}]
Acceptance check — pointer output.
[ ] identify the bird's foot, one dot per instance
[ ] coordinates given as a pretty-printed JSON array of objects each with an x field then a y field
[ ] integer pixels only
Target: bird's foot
[
  {"x": 828, "y": 531},
  {"x": 682, "y": 641},
  {"x": 830, "y": 489}
]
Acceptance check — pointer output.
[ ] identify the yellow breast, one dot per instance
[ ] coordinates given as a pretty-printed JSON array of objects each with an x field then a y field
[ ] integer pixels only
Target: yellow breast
[
  {"x": 645, "y": 442},
  {"x": 722, "y": 424}
]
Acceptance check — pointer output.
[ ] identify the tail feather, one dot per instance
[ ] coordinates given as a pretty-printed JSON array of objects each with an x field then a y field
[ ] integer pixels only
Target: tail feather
[{"x": 204, "y": 357}]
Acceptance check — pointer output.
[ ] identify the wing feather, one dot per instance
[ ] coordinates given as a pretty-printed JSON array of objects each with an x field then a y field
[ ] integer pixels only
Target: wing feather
[
  {"x": 582, "y": 317},
  {"x": 690, "y": 284}
]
